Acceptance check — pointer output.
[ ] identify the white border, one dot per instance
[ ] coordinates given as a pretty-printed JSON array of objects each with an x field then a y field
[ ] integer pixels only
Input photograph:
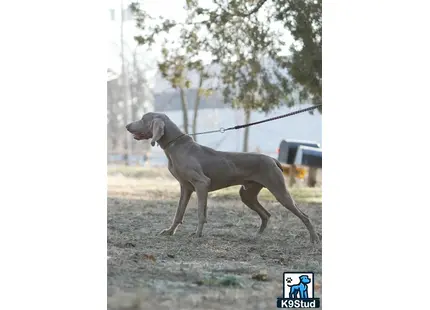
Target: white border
[
  {"x": 53, "y": 133},
  {"x": 375, "y": 132}
]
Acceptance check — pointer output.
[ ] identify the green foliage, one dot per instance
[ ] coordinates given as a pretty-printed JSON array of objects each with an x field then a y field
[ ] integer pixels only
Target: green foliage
[
  {"x": 246, "y": 49},
  {"x": 225, "y": 281},
  {"x": 238, "y": 31},
  {"x": 176, "y": 62},
  {"x": 151, "y": 32},
  {"x": 205, "y": 92},
  {"x": 254, "y": 75},
  {"x": 305, "y": 62}
]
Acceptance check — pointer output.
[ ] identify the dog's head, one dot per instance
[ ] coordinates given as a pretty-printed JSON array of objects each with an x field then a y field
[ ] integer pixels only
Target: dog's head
[
  {"x": 304, "y": 279},
  {"x": 150, "y": 126}
]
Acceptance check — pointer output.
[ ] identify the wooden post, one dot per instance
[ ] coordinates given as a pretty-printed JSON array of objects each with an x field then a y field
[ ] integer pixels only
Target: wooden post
[
  {"x": 312, "y": 177},
  {"x": 292, "y": 176}
]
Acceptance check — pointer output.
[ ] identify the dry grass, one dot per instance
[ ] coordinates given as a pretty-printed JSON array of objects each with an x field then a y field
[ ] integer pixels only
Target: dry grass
[
  {"x": 138, "y": 180},
  {"x": 230, "y": 267}
]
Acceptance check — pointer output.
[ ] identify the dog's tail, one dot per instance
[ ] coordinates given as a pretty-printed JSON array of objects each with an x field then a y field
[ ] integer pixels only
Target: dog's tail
[{"x": 278, "y": 164}]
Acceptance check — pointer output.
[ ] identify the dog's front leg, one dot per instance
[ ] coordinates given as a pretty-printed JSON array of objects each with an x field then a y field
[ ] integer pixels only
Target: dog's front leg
[
  {"x": 202, "y": 188},
  {"x": 202, "y": 198},
  {"x": 305, "y": 294},
  {"x": 180, "y": 211}
]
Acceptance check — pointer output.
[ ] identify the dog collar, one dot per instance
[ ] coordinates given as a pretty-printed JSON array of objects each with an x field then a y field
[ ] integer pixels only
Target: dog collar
[{"x": 171, "y": 142}]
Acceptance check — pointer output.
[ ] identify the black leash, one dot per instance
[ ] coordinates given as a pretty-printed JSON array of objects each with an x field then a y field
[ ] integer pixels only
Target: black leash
[{"x": 222, "y": 130}]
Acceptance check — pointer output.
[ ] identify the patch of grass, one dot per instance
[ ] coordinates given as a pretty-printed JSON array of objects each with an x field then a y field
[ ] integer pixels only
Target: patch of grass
[
  {"x": 138, "y": 172},
  {"x": 149, "y": 174},
  {"x": 300, "y": 194},
  {"x": 225, "y": 281}
]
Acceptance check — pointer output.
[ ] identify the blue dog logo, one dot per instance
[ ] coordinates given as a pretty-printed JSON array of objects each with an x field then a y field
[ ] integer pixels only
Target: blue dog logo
[{"x": 300, "y": 288}]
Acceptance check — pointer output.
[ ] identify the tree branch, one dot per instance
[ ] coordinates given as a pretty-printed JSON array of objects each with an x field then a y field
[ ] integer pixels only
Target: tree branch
[{"x": 254, "y": 10}]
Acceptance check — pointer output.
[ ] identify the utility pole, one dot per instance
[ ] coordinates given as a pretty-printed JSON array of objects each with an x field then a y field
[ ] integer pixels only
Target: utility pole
[{"x": 126, "y": 89}]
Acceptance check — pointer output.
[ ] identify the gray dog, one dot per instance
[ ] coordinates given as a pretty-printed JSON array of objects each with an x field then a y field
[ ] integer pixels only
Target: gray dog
[{"x": 202, "y": 169}]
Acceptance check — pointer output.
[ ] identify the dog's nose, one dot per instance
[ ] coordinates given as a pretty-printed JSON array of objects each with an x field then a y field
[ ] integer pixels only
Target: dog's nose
[{"x": 128, "y": 127}]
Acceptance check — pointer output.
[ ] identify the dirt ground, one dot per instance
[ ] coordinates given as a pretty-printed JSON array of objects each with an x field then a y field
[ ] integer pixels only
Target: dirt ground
[{"x": 230, "y": 267}]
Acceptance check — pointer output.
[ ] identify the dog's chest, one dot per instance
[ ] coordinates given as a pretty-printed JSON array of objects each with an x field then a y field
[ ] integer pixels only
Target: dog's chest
[{"x": 172, "y": 170}]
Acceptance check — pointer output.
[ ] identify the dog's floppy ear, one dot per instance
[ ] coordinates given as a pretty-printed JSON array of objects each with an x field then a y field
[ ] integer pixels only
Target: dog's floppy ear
[{"x": 157, "y": 127}]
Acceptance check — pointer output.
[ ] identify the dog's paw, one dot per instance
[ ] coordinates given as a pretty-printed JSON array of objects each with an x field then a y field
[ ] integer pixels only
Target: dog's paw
[
  {"x": 195, "y": 235},
  {"x": 256, "y": 235},
  {"x": 316, "y": 240},
  {"x": 166, "y": 232}
]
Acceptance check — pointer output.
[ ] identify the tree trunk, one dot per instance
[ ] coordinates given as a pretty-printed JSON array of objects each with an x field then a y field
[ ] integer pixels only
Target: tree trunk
[
  {"x": 112, "y": 117},
  {"x": 312, "y": 177},
  {"x": 196, "y": 107},
  {"x": 184, "y": 104},
  {"x": 246, "y": 133}
]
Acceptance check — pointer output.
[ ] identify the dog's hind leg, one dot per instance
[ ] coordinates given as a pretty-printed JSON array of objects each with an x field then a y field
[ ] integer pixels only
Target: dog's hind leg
[
  {"x": 276, "y": 185},
  {"x": 248, "y": 193}
]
